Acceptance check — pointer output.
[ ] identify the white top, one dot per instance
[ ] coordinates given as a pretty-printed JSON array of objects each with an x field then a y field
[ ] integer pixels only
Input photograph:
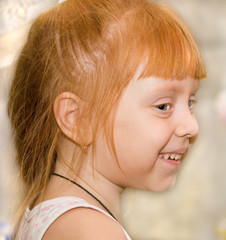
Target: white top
[{"x": 36, "y": 222}]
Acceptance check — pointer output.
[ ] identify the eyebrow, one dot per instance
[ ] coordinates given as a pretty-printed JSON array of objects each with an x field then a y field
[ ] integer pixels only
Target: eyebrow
[{"x": 173, "y": 87}]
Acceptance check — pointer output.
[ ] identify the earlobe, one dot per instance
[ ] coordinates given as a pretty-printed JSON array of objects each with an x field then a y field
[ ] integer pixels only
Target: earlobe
[{"x": 67, "y": 110}]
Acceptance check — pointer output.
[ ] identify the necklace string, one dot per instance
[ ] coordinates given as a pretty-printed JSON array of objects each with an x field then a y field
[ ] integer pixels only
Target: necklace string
[{"x": 84, "y": 189}]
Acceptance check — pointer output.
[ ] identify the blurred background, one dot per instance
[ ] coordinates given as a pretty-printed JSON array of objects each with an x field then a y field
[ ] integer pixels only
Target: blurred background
[{"x": 195, "y": 209}]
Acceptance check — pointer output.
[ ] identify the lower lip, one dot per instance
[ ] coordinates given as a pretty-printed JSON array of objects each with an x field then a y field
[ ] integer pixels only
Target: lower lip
[{"x": 172, "y": 162}]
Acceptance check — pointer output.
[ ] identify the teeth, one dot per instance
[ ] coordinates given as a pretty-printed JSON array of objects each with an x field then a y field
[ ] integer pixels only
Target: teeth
[
  {"x": 166, "y": 156},
  {"x": 170, "y": 156},
  {"x": 178, "y": 157}
]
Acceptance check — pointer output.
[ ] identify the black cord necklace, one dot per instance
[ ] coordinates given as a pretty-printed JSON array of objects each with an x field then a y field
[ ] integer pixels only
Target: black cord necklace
[{"x": 58, "y": 175}]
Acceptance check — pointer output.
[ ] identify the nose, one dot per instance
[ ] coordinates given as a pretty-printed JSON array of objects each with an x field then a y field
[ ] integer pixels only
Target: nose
[{"x": 187, "y": 125}]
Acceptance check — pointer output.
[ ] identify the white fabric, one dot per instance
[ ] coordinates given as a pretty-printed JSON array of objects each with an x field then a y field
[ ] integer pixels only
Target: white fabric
[{"x": 36, "y": 222}]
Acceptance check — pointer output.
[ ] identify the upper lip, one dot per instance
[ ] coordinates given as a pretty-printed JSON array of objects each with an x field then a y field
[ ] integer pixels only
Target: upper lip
[{"x": 180, "y": 151}]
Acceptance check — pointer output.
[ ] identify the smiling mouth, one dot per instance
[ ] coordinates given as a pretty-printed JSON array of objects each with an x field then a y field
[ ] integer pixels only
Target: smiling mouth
[{"x": 175, "y": 157}]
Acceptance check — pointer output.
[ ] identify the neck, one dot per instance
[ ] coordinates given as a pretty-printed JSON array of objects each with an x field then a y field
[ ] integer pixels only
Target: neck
[{"x": 104, "y": 190}]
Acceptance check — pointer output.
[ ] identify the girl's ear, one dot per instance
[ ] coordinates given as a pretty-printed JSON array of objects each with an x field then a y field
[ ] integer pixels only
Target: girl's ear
[{"x": 67, "y": 110}]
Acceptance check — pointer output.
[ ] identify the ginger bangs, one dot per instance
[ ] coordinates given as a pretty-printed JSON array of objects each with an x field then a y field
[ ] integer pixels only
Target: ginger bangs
[{"x": 162, "y": 42}]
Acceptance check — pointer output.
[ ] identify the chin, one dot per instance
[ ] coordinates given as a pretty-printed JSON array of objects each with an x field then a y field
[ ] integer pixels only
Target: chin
[{"x": 162, "y": 186}]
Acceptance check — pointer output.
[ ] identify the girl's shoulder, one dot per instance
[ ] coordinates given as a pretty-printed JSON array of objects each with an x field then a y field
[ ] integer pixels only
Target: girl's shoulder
[
  {"x": 84, "y": 223},
  {"x": 70, "y": 218}
]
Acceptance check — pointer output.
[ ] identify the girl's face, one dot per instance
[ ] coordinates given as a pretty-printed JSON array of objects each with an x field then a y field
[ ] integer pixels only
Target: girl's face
[{"x": 154, "y": 128}]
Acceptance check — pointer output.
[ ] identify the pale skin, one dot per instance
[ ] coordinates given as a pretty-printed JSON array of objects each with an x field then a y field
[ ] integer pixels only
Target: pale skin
[{"x": 154, "y": 121}]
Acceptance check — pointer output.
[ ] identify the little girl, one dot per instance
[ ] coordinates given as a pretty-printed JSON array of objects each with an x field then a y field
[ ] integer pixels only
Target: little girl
[{"x": 102, "y": 99}]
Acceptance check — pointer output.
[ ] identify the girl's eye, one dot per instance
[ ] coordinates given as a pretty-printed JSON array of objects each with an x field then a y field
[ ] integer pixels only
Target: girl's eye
[
  {"x": 191, "y": 103},
  {"x": 164, "y": 107}
]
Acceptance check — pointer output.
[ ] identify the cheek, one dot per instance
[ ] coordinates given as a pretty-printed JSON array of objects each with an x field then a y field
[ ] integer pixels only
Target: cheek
[
  {"x": 146, "y": 129},
  {"x": 140, "y": 140}
]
